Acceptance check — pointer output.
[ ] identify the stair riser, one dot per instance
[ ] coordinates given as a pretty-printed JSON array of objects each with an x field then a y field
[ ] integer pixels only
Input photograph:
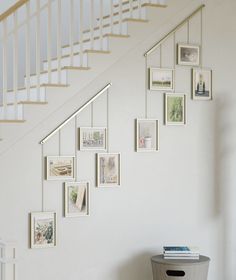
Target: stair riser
[
  {"x": 22, "y": 95},
  {"x": 11, "y": 112},
  {"x": 56, "y": 78}
]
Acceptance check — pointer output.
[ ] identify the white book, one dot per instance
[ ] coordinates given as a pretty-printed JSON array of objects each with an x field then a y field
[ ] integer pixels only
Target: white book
[
  {"x": 181, "y": 255},
  {"x": 182, "y": 258}
]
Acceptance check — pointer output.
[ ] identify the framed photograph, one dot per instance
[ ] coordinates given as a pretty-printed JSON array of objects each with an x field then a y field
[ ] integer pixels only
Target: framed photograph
[
  {"x": 43, "y": 230},
  {"x": 60, "y": 168},
  {"x": 188, "y": 55},
  {"x": 202, "y": 84},
  {"x": 76, "y": 199},
  {"x": 92, "y": 138},
  {"x": 161, "y": 79},
  {"x": 108, "y": 170},
  {"x": 147, "y": 135},
  {"x": 175, "y": 109}
]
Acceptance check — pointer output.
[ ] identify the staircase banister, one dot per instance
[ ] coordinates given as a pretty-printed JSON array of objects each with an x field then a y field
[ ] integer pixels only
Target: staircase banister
[{"x": 12, "y": 9}]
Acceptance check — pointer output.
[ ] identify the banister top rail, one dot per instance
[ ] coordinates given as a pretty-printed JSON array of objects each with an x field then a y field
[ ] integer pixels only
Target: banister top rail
[
  {"x": 59, "y": 127},
  {"x": 12, "y": 9},
  {"x": 174, "y": 30}
]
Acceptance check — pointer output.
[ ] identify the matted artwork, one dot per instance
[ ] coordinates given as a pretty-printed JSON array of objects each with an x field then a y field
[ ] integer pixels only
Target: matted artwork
[
  {"x": 92, "y": 138},
  {"x": 76, "y": 199},
  {"x": 175, "y": 109},
  {"x": 43, "y": 229},
  {"x": 188, "y": 55},
  {"x": 202, "y": 84},
  {"x": 161, "y": 79},
  {"x": 108, "y": 170},
  {"x": 147, "y": 135},
  {"x": 60, "y": 168}
]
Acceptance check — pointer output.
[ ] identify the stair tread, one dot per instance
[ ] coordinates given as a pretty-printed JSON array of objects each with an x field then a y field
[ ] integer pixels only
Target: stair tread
[
  {"x": 26, "y": 103},
  {"x": 12, "y": 121}
]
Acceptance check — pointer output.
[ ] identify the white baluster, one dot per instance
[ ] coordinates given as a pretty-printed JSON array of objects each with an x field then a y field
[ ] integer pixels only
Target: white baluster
[
  {"x": 38, "y": 49},
  {"x": 27, "y": 51},
  {"x": 120, "y": 16},
  {"x": 92, "y": 24},
  {"x": 71, "y": 39},
  {"x": 131, "y": 8},
  {"x": 59, "y": 39},
  {"x": 49, "y": 42},
  {"x": 112, "y": 14},
  {"x": 140, "y": 8},
  {"x": 15, "y": 62},
  {"x": 81, "y": 33},
  {"x": 101, "y": 25},
  {"x": 4, "y": 61}
]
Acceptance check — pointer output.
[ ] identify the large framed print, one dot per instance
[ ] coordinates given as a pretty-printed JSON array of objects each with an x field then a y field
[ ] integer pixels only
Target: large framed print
[
  {"x": 175, "y": 109},
  {"x": 188, "y": 54},
  {"x": 202, "y": 84},
  {"x": 161, "y": 79},
  {"x": 60, "y": 167},
  {"x": 108, "y": 169},
  {"x": 43, "y": 229},
  {"x": 92, "y": 138},
  {"x": 147, "y": 135},
  {"x": 76, "y": 199}
]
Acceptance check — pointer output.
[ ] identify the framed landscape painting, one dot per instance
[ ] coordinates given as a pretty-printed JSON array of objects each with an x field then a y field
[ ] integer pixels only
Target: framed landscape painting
[
  {"x": 201, "y": 84},
  {"x": 92, "y": 138},
  {"x": 43, "y": 229},
  {"x": 108, "y": 170},
  {"x": 76, "y": 199},
  {"x": 147, "y": 135},
  {"x": 60, "y": 168},
  {"x": 188, "y": 54},
  {"x": 175, "y": 109},
  {"x": 161, "y": 79}
]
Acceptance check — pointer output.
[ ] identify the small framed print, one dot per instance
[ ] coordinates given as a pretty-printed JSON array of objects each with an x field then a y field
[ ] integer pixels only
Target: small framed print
[
  {"x": 43, "y": 230},
  {"x": 60, "y": 168},
  {"x": 92, "y": 138},
  {"x": 76, "y": 199},
  {"x": 147, "y": 135},
  {"x": 161, "y": 79},
  {"x": 188, "y": 54},
  {"x": 202, "y": 84},
  {"x": 108, "y": 170},
  {"x": 175, "y": 109}
]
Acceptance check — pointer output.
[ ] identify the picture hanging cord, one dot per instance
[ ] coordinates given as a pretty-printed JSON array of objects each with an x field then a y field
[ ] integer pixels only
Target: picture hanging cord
[
  {"x": 160, "y": 55},
  {"x": 201, "y": 39},
  {"x": 174, "y": 64},
  {"x": 76, "y": 150},
  {"x": 108, "y": 148},
  {"x": 91, "y": 114},
  {"x": 146, "y": 87},
  {"x": 188, "y": 35},
  {"x": 43, "y": 176},
  {"x": 59, "y": 142}
]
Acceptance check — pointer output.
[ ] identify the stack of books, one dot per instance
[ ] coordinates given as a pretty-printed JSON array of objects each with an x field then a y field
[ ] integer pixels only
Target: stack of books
[{"x": 181, "y": 253}]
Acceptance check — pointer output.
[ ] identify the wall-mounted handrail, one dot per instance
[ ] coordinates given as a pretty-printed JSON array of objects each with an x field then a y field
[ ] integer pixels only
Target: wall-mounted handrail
[
  {"x": 12, "y": 9},
  {"x": 59, "y": 127},
  {"x": 154, "y": 47}
]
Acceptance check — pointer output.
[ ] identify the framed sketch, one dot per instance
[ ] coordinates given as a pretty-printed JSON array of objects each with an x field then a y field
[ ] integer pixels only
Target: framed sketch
[
  {"x": 147, "y": 135},
  {"x": 175, "y": 109},
  {"x": 43, "y": 229},
  {"x": 188, "y": 55},
  {"x": 202, "y": 84},
  {"x": 60, "y": 168},
  {"x": 161, "y": 79},
  {"x": 76, "y": 199},
  {"x": 92, "y": 138},
  {"x": 108, "y": 170}
]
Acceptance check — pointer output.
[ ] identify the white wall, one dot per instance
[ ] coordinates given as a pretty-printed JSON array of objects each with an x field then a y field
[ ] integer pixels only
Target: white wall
[{"x": 184, "y": 194}]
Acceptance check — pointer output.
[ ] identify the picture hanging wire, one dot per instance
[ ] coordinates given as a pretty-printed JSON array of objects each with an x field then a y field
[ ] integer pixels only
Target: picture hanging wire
[
  {"x": 146, "y": 88},
  {"x": 76, "y": 147},
  {"x": 108, "y": 128},
  {"x": 43, "y": 176},
  {"x": 59, "y": 142},
  {"x": 160, "y": 55},
  {"x": 91, "y": 114},
  {"x": 174, "y": 62},
  {"x": 201, "y": 39},
  {"x": 188, "y": 32}
]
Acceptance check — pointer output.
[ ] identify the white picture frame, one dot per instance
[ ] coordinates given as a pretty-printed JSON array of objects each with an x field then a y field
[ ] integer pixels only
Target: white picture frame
[
  {"x": 76, "y": 199},
  {"x": 188, "y": 55},
  {"x": 147, "y": 135},
  {"x": 92, "y": 138},
  {"x": 108, "y": 169},
  {"x": 201, "y": 84},
  {"x": 161, "y": 79},
  {"x": 60, "y": 168},
  {"x": 43, "y": 230},
  {"x": 175, "y": 108}
]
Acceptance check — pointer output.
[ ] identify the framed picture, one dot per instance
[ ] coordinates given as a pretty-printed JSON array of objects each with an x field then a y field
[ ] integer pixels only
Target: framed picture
[
  {"x": 188, "y": 55},
  {"x": 161, "y": 79},
  {"x": 60, "y": 168},
  {"x": 43, "y": 230},
  {"x": 201, "y": 84},
  {"x": 92, "y": 138},
  {"x": 108, "y": 170},
  {"x": 76, "y": 199},
  {"x": 147, "y": 135},
  {"x": 175, "y": 109}
]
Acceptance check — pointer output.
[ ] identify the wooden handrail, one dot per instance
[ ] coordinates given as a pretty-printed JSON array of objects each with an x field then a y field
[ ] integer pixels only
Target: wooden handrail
[{"x": 12, "y": 9}]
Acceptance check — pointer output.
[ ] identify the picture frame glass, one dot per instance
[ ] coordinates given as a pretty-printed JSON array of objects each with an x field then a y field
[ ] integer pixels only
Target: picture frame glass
[
  {"x": 175, "y": 109},
  {"x": 202, "y": 84},
  {"x": 92, "y": 138},
  {"x": 108, "y": 170},
  {"x": 76, "y": 199},
  {"x": 60, "y": 168},
  {"x": 147, "y": 135},
  {"x": 161, "y": 79}
]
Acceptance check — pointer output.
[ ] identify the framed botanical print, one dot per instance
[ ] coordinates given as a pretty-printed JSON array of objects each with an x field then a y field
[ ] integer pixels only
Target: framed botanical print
[
  {"x": 92, "y": 138},
  {"x": 175, "y": 109},
  {"x": 201, "y": 84}
]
